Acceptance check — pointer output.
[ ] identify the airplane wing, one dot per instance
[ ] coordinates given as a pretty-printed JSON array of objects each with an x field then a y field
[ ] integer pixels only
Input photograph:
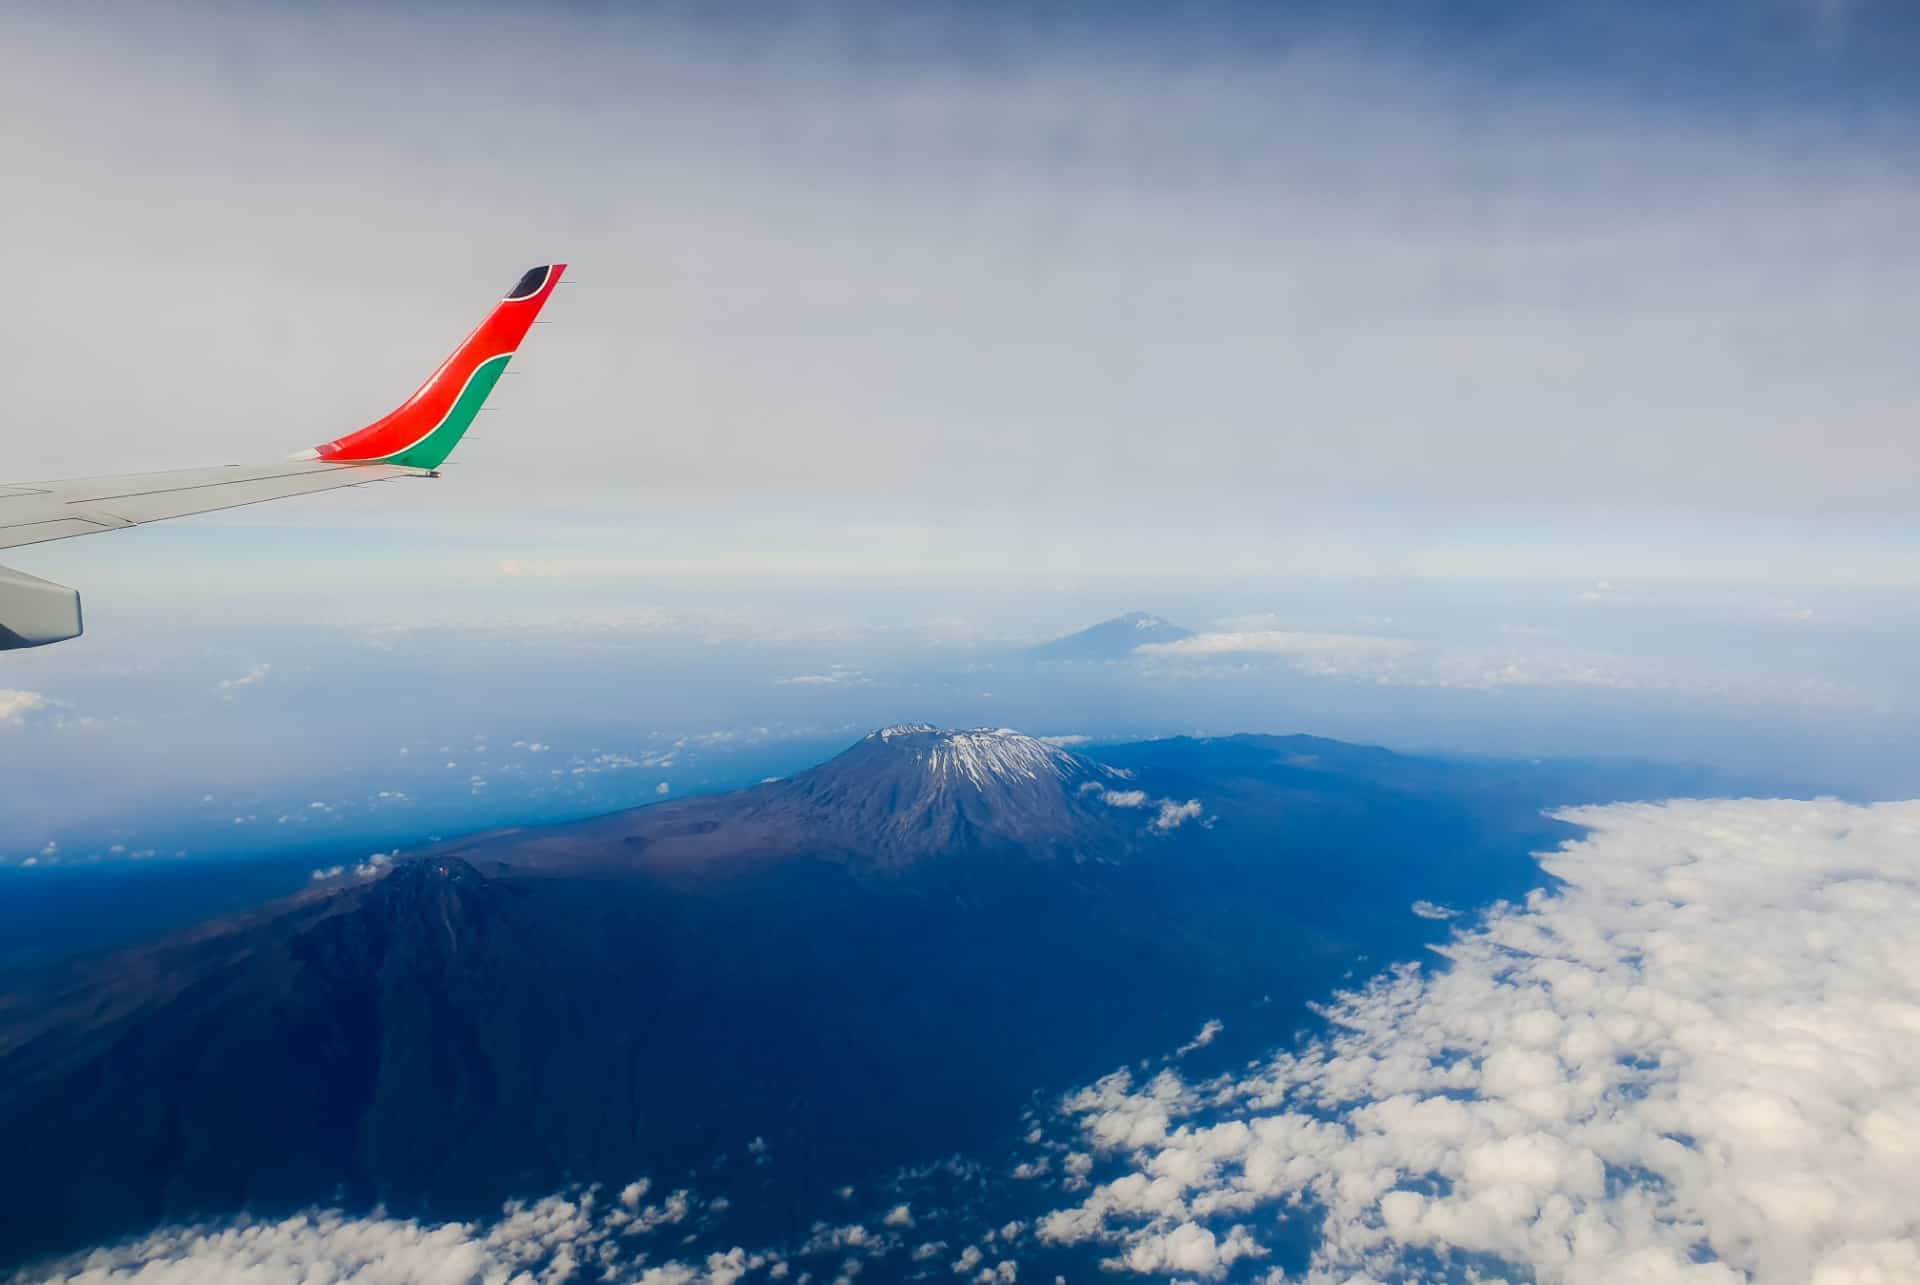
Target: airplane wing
[{"x": 413, "y": 441}]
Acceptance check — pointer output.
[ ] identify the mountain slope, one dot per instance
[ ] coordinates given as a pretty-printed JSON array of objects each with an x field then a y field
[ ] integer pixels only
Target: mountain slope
[
  {"x": 899, "y": 796},
  {"x": 873, "y": 964}
]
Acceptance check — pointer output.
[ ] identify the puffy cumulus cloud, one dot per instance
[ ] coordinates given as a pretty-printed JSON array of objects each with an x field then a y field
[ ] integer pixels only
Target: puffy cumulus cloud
[
  {"x": 17, "y": 706},
  {"x": 376, "y": 865},
  {"x": 1697, "y": 1060},
  {"x": 565, "y": 1237},
  {"x": 1189, "y": 1250},
  {"x": 1173, "y": 815},
  {"x": 1169, "y": 814}
]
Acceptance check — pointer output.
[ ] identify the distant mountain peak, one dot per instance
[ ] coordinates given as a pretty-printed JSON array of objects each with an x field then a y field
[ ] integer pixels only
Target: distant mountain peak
[{"x": 1113, "y": 639}]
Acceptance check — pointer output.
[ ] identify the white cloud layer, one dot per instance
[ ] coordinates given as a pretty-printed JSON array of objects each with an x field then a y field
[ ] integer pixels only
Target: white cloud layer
[
  {"x": 1696, "y": 1061},
  {"x": 561, "y": 1238},
  {"x": 1279, "y": 642}
]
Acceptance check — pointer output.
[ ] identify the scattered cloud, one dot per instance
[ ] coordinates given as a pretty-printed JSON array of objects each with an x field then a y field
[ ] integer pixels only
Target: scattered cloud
[
  {"x": 1433, "y": 910},
  {"x": 1171, "y": 814},
  {"x": 254, "y": 676},
  {"x": 17, "y": 706},
  {"x": 1209, "y": 1032},
  {"x": 1697, "y": 1061},
  {"x": 377, "y": 864},
  {"x": 1174, "y": 815},
  {"x": 545, "y": 1240},
  {"x": 838, "y": 676}
]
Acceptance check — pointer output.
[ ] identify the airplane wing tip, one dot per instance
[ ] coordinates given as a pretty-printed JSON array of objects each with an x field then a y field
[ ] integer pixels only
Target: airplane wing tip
[
  {"x": 536, "y": 280},
  {"x": 427, "y": 426}
]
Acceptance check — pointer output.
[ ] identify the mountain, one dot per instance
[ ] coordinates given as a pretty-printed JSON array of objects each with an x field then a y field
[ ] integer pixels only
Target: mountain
[
  {"x": 875, "y": 963},
  {"x": 1112, "y": 639},
  {"x": 899, "y": 796}
]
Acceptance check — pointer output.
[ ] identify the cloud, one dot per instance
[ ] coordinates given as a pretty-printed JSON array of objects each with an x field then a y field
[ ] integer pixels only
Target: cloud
[
  {"x": 1433, "y": 910},
  {"x": 254, "y": 676},
  {"x": 547, "y": 1240},
  {"x": 838, "y": 676},
  {"x": 1278, "y": 642},
  {"x": 1696, "y": 1060},
  {"x": 1467, "y": 271},
  {"x": 1188, "y": 1250},
  {"x": 1173, "y": 815},
  {"x": 1170, "y": 814},
  {"x": 1513, "y": 660},
  {"x": 373, "y": 867},
  {"x": 1209, "y": 1031},
  {"x": 17, "y": 706}
]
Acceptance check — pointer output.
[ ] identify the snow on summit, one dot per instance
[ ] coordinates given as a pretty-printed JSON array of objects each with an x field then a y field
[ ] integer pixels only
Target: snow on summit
[{"x": 982, "y": 756}]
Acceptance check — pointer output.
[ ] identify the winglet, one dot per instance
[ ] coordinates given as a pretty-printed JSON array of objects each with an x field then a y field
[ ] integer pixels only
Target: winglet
[{"x": 429, "y": 424}]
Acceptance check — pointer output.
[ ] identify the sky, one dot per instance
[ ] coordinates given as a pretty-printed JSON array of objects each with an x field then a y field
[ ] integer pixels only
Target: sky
[
  {"x": 1476, "y": 291},
  {"x": 1503, "y": 379}
]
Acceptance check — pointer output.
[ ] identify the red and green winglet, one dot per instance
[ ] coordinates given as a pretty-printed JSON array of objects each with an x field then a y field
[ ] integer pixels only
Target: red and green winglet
[{"x": 429, "y": 424}]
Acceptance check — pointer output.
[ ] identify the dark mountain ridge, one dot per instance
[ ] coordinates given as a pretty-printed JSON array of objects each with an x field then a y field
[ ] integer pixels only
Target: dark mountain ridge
[{"x": 900, "y": 796}]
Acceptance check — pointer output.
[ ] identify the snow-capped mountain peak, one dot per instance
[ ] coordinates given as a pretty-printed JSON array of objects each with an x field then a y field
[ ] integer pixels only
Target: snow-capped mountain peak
[
  {"x": 981, "y": 756},
  {"x": 915, "y": 790}
]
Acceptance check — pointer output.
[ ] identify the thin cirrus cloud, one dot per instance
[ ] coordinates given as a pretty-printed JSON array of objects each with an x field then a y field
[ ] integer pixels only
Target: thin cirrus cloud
[
  {"x": 1694, "y": 1062},
  {"x": 1369, "y": 294},
  {"x": 1278, "y": 642},
  {"x": 1495, "y": 664}
]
